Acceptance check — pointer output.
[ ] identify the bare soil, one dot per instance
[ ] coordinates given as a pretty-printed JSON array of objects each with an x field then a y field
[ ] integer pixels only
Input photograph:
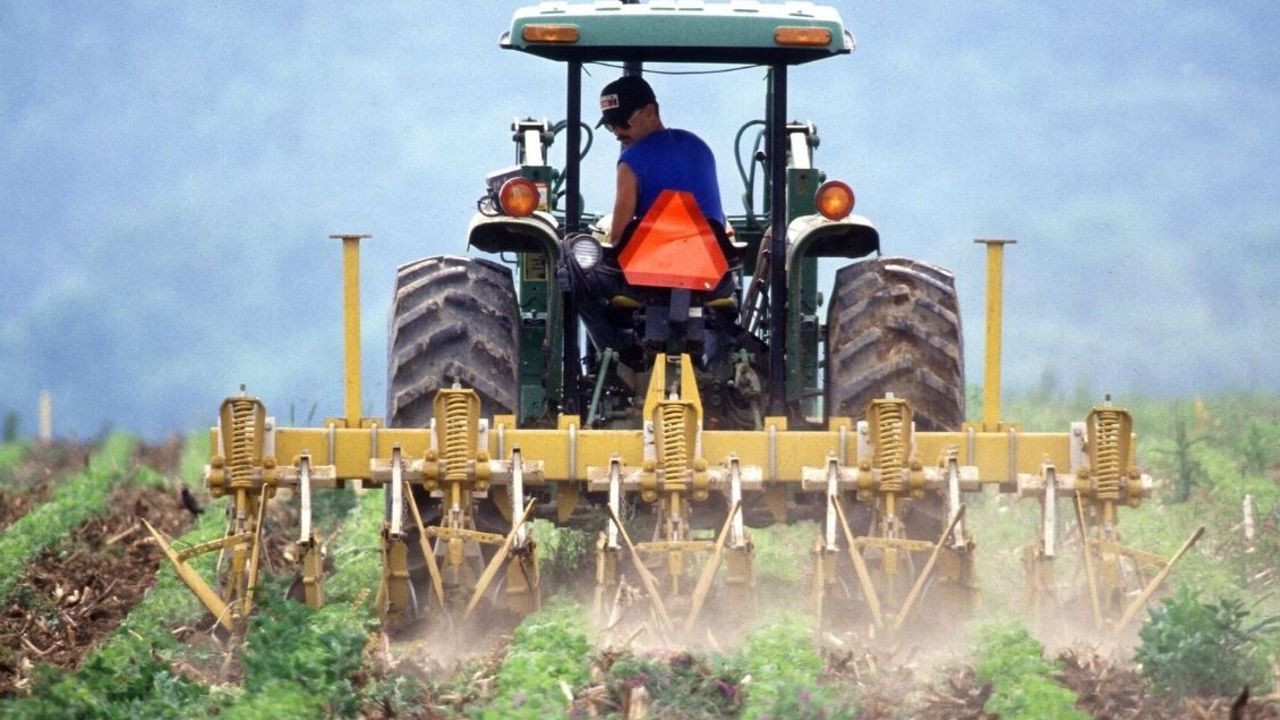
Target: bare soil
[{"x": 78, "y": 592}]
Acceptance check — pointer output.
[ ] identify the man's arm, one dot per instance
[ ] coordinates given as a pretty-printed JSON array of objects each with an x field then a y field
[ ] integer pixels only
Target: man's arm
[{"x": 624, "y": 202}]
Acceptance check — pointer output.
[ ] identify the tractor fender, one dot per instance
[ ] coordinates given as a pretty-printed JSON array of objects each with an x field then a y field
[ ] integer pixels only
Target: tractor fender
[
  {"x": 503, "y": 233},
  {"x": 816, "y": 236}
]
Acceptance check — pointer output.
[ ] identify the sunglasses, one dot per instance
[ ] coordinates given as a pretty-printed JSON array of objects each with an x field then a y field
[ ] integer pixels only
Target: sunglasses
[{"x": 625, "y": 124}]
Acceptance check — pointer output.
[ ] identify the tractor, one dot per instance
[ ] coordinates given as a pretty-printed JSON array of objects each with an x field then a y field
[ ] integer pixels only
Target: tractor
[
  {"x": 725, "y": 399},
  {"x": 673, "y": 282}
]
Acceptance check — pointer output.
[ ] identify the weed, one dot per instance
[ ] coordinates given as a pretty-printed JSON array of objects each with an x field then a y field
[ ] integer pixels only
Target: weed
[{"x": 1190, "y": 647}]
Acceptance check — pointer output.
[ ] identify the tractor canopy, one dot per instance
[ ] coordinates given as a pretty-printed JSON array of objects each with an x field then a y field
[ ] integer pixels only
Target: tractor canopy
[{"x": 740, "y": 31}]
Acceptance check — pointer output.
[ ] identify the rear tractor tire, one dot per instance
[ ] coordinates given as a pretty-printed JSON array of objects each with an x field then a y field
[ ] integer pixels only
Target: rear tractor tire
[
  {"x": 452, "y": 319},
  {"x": 894, "y": 327}
]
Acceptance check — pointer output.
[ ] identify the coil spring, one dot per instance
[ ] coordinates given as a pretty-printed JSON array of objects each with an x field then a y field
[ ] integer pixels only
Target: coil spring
[
  {"x": 242, "y": 441},
  {"x": 1107, "y": 455},
  {"x": 675, "y": 448},
  {"x": 455, "y": 437},
  {"x": 892, "y": 452}
]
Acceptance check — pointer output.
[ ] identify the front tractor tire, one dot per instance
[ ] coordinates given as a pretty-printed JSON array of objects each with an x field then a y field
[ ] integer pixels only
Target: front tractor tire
[
  {"x": 894, "y": 326},
  {"x": 452, "y": 319}
]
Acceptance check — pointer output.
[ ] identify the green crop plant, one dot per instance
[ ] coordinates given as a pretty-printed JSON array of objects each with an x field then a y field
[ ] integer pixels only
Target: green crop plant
[
  {"x": 562, "y": 551},
  {"x": 79, "y": 499},
  {"x": 357, "y": 553},
  {"x": 784, "y": 669},
  {"x": 1188, "y": 473},
  {"x": 1190, "y": 647},
  {"x": 11, "y": 453},
  {"x": 1022, "y": 682},
  {"x": 299, "y": 662},
  {"x": 776, "y": 550},
  {"x": 550, "y": 650}
]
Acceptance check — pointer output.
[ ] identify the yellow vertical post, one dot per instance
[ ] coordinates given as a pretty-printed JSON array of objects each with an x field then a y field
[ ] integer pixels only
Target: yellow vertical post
[
  {"x": 351, "y": 323},
  {"x": 995, "y": 320}
]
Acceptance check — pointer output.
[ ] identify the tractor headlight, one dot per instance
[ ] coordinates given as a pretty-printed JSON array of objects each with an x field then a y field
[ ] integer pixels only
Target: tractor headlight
[{"x": 586, "y": 251}]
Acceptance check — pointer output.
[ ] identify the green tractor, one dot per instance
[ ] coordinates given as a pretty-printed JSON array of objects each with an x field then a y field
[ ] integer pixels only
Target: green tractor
[{"x": 508, "y": 326}]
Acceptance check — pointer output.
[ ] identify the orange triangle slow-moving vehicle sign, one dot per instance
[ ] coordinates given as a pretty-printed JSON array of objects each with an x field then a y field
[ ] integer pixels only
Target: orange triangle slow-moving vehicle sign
[{"x": 674, "y": 247}]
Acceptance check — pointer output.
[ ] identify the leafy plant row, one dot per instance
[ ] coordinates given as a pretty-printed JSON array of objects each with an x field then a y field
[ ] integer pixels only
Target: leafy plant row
[
  {"x": 777, "y": 673},
  {"x": 299, "y": 663},
  {"x": 1192, "y": 647},
  {"x": 79, "y": 499},
  {"x": 549, "y": 651},
  {"x": 785, "y": 668}
]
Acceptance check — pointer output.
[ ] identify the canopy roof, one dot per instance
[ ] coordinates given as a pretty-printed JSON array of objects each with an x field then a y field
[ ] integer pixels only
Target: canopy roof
[{"x": 739, "y": 31}]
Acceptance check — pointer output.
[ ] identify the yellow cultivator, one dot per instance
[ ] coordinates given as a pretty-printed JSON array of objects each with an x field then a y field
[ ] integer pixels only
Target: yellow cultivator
[
  {"x": 707, "y": 403},
  {"x": 674, "y": 464}
]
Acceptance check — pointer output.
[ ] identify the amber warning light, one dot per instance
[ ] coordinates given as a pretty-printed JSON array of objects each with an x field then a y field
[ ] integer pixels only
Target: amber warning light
[
  {"x": 518, "y": 197},
  {"x": 550, "y": 33},
  {"x": 805, "y": 36},
  {"x": 834, "y": 200}
]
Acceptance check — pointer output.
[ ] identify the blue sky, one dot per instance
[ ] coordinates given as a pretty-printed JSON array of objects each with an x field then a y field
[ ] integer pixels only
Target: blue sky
[{"x": 170, "y": 172}]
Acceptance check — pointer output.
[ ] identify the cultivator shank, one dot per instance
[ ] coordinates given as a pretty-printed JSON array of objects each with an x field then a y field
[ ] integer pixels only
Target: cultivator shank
[
  {"x": 243, "y": 471},
  {"x": 1102, "y": 478}
]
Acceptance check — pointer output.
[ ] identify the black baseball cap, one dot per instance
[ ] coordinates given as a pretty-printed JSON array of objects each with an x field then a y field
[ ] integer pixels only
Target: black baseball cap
[{"x": 622, "y": 97}]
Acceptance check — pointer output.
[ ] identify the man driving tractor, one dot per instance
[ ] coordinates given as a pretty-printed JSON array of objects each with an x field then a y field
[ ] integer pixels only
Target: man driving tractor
[{"x": 655, "y": 159}]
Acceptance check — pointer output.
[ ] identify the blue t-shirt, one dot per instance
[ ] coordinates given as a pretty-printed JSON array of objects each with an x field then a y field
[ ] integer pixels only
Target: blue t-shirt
[{"x": 674, "y": 160}]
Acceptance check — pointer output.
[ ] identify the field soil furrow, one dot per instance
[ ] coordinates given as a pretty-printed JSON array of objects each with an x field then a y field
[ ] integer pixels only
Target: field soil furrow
[
  {"x": 77, "y": 500},
  {"x": 77, "y": 592}
]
